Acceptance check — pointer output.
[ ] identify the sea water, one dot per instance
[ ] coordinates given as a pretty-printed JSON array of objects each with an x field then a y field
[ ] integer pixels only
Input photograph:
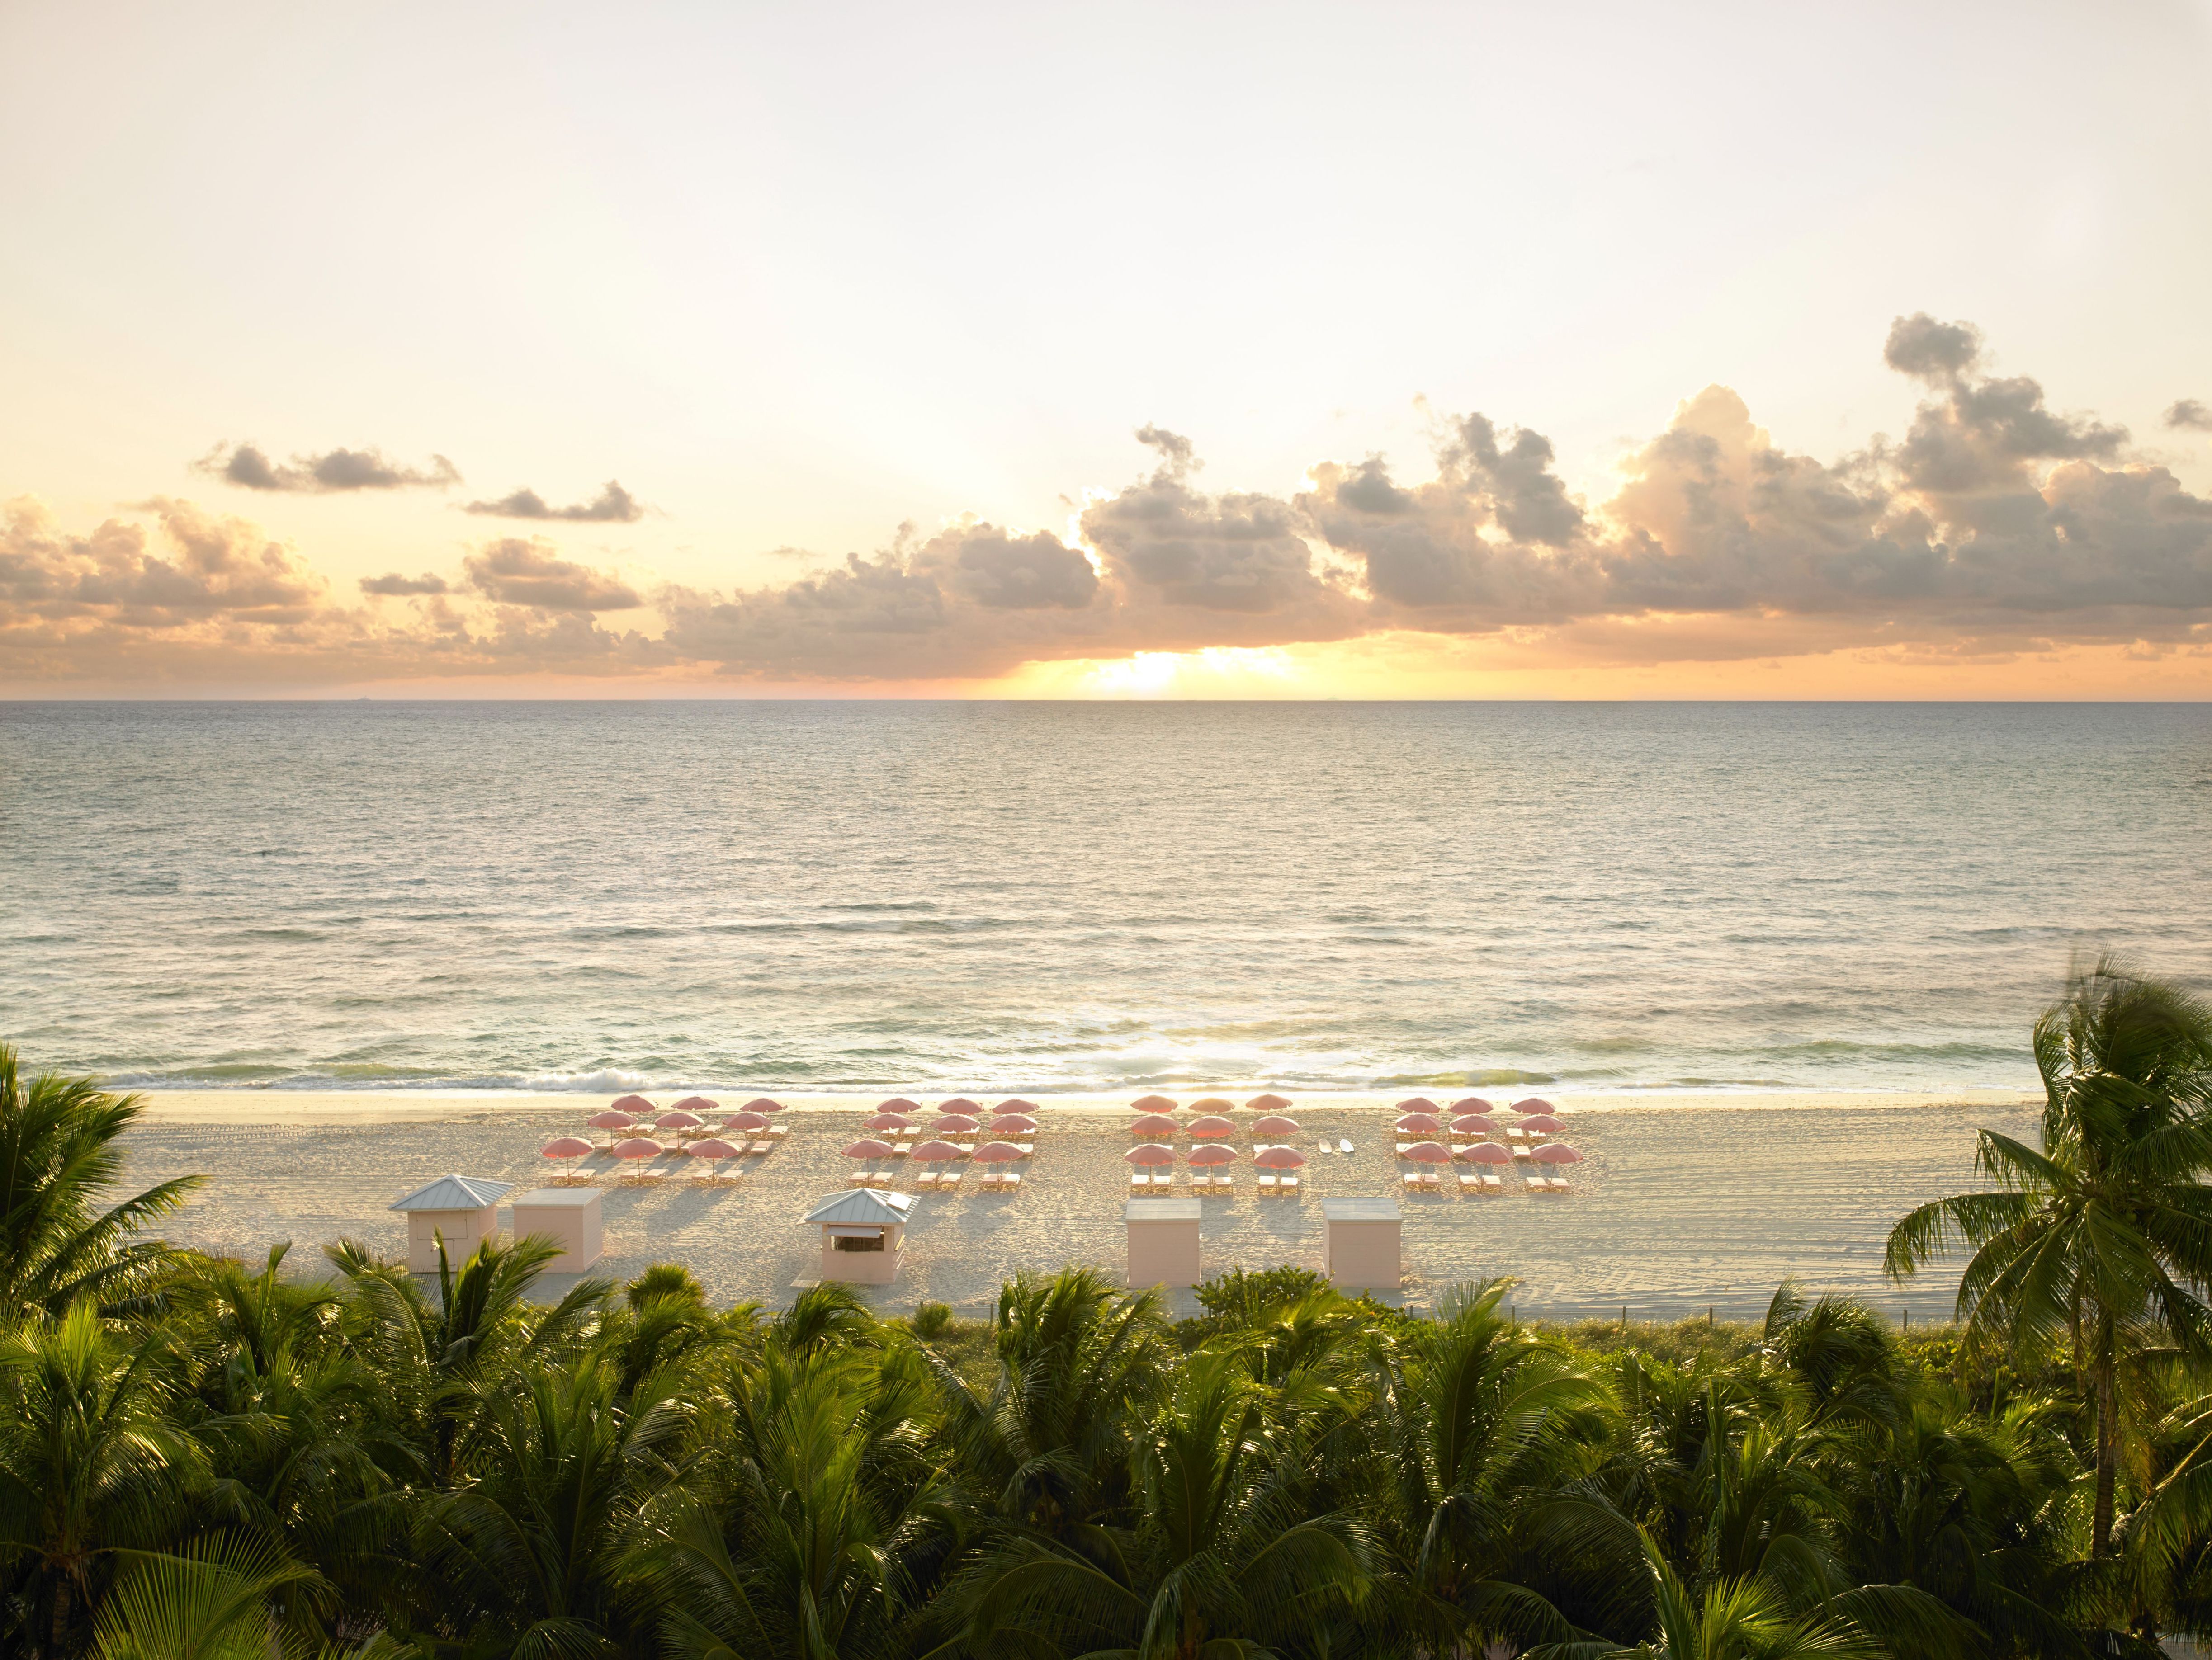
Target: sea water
[{"x": 1043, "y": 898}]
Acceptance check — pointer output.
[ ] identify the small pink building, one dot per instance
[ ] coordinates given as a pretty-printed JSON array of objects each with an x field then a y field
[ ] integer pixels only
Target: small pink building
[
  {"x": 1162, "y": 1243},
  {"x": 863, "y": 1230},
  {"x": 568, "y": 1216},
  {"x": 1359, "y": 1244},
  {"x": 462, "y": 1210}
]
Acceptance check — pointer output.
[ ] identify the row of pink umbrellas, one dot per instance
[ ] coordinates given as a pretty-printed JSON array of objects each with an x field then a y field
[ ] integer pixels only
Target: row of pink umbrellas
[
  {"x": 1475, "y": 1123},
  {"x": 1490, "y": 1152},
  {"x": 1209, "y": 1104},
  {"x": 1213, "y": 1153},
  {"x": 1211, "y": 1128},
  {"x": 1006, "y": 1123},
  {"x": 957, "y": 1104},
  {"x": 937, "y": 1152}
]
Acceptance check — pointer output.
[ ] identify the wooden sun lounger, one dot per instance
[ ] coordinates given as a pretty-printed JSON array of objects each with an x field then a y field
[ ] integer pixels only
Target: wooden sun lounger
[
  {"x": 1137, "y": 1178},
  {"x": 1491, "y": 1183},
  {"x": 1285, "y": 1184},
  {"x": 1429, "y": 1179},
  {"x": 951, "y": 1179},
  {"x": 777, "y": 1131},
  {"x": 1538, "y": 1185},
  {"x": 758, "y": 1149},
  {"x": 926, "y": 1179},
  {"x": 1410, "y": 1177},
  {"x": 902, "y": 1149},
  {"x": 1470, "y": 1181},
  {"x": 1556, "y": 1183}
]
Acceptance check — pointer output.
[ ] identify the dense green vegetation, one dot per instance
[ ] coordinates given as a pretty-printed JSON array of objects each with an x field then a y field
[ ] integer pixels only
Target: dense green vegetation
[{"x": 212, "y": 1458}]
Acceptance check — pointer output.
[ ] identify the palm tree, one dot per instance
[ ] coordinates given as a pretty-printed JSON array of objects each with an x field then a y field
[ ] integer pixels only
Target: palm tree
[
  {"x": 89, "y": 1462},
  {"x": 208, "y": 1602},
  {"x": 1223, "y": 1551},
  {"x": 60, "y": 1154},
  {"x": 1750, "y": 1618},
  {"x": 2103, "y": 1235}
]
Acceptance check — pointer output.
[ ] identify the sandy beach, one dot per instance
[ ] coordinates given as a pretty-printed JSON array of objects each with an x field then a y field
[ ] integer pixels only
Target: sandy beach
[{"x": 1683, "y": 1202}]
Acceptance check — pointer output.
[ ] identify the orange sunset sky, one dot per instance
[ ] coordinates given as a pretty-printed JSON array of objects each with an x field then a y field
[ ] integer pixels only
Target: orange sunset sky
[{"x": 1152, "y": 351}]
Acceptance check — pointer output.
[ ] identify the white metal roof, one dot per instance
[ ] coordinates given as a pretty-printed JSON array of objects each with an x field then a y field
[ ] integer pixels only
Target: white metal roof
[
  {"x": 862, "y": 1204},
  {"x": 454, "y": 1193}
]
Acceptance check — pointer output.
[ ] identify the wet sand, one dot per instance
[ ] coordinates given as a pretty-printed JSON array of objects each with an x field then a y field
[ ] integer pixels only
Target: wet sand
[{"x": 1682, "y": 1202}]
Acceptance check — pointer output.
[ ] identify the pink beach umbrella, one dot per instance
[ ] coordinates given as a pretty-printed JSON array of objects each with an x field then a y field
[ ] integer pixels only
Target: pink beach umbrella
[
  {"x": 745, "y": 1121},
  {"x": 961, "y": 1105},
  {"x": 1152, "y": 1104},
  {"x": 610, "y": 1120},
  {"x": 1212, "y": 1152},
  {"x": 1421, "y": 1123},
  {"x": 565, "y": 1149},
  {"x": 1269, "y": 1103},
  {"x": 1471, "y": 1104},
  {"x": 1473, "y": 1125},
  {"x": 678, "y": 1121},
  {"x": 868, "y": 1147},
  {"x": 1488, "y": 1152},
  {"x": 956, "y": 1124},
  {"x": 888, "y": 1121},
  {"x": 1279, "y": 1158},
  {"x": 1427, "y": 1152},
  {"x": 1154, "y": 1124},
  {"x": 1555, "y": 1152},
  {"x": 998, "y": 1152},
  {"x": 1418, "y": 1104},
  {"x": 1212, "y": 1128},
  {"x": 900, "y": 1104},
  {"x": 937, "y": 1152},
  {"x": 1544, "y": 1125},
  {"x": 1275, "y": 1124},
  {"x": 1013, "y": 1124},
  {"x": 698, "y": 1104},
  {"x": 761, "y": 1104},
  {"x": 1149, "y": 1153},
  {"x": 633, "y": 1104},
  {"x": 1534, "y": 1104},
  {"x": 637, "y": 1147},
  {"x": 1016, "y": 1104},
  {"x": 1213, "y": 1104},
  {"x": 714, "y": 1147}
]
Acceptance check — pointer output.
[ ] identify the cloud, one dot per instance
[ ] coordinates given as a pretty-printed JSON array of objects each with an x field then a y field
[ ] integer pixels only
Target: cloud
[
  {"x": 395, "y": 585},
  {"x": 333, "y": 471},
  {"x": 1996, "y": 526},
  {"x": 2187, "y": 415},
  {"x": 612, "y": 505},
  {"x": 513, "y": 572}
]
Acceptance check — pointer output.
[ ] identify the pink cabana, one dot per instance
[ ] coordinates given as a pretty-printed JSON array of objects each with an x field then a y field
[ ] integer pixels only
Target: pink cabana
[
  {"x": 956, "y": 1124},
  {"x": 1543, "y": 1124},
  {"x": 938, "y": 1152},
  {"x": 1471, "y": 1104},
  {"x": 1213, "y": 1104},
  {"x": 1016, "y": 1104},
  {"x": 1488, "y": 1152},
  {"x": 1275, "y": 1124},
  {"x": 1269, "y": 1103},
  {"x": 1149, "y": 1153},
  {"x": 1534, "y": 1104},
  {"x": 745, "y": 1121},
  {"x": 698, "y": 1104},
  {"x": 1212, "y": 1128},
  {"x": 1421, "y": 1123},
  {"x": 1154, "y": 1124},
  {"x": 1212, "y": 1152},
  {"x": 998, "y": 1152},
  {"x": 713, "y": 1148},
  {"x": 1279, "y": 1158},
  {"x": 1417, "y": 1104},
  {"x": 633, "y": 1104},
  {"x": 637, "y": 1147},
  {"x": 961, "y": 1105},
  {"x": 678, "y": 1121},
  {"x": 1152, "y": 1104},
  {"x": 1427, "y": 1152},
  {"x": 610, "y": 1120},
  {"x": 566, "y": 1148},
  {"x": 888, "y": 1121},
  {"x": 868, "y": 1147},
  {"x": 900, "y": 1104},
  {"x": 761, "y": 1104},
  {"x": 1013, "y": 1124},
  {"x": 1555, "y": 1152},
  {"x": 1473, "y": 1125}
]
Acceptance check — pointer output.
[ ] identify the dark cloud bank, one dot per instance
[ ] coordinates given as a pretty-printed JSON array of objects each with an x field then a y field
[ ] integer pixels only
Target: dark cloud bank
[
  {"x": 332, "y": 472},
  {"x": 1995, "y": 524},
  {"x": 612, "y": 505}
]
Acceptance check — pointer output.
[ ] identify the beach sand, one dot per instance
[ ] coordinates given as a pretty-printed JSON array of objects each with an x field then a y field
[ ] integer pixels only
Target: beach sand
[{"x": 1683, "y": 1202}]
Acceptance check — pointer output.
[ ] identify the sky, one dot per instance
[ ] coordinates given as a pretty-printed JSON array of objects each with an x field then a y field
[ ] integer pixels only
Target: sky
[{"x": 1386, "y": 350}]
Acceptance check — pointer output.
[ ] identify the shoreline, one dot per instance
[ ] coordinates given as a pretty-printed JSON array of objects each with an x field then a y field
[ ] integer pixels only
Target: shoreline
[{"x": 258, "y": 1105}]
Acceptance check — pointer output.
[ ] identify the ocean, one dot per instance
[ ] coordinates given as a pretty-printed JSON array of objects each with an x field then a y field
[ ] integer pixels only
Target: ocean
[{"x": 1082, "y": 898}]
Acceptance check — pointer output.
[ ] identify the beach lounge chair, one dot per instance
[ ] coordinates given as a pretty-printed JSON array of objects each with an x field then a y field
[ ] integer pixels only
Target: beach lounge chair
[
  {"x": 1200, "y": 1180},
  {"x": 1491, "y": 1183},
  {"x": 926, "y": 1180},
  {"x": 1285, "y": 1184},
  {"x": 861, "y": 1178},
  {"x": 756, "y": 1149},
  {"x": 1429, "y": 1179},
  {"x": 1538, "y": 1185},
  {"x": 1011, "y": 1181},
  {"x": 1224, "y": 1184},
  {"x": 1521, "y": 1153},
  {"x": 777, "y": 1131},
  {"x": 1557, "y": 1184},
  {"x": 1137, "y": 1178},
  {"x": 1470, "y": 1181},
  {"x": 1027, "y": 1149},
  {"x": 902, "y": 1149},
  {"x": 1265, "y": 1181},
  {"x": 949, "y": 1181}
]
